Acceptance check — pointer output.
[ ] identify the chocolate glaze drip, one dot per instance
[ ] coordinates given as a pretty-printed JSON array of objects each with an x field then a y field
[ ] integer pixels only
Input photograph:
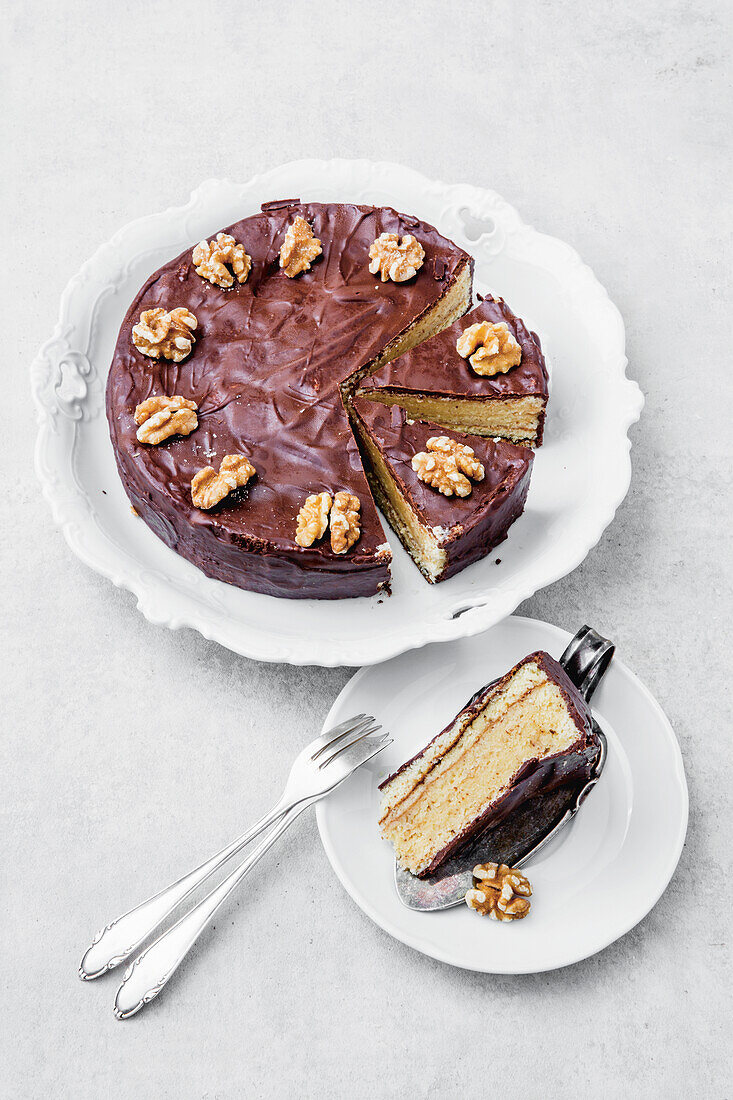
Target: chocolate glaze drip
[{"x": 266, "y": 372}]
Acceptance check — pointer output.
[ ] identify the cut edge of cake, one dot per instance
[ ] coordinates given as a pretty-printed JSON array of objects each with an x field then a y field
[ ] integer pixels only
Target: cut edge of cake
[
  {"x": 439, "y": 551},
  {"x": 448, "y": 309},
  {"x": 517, "y": 419},
  {"x": 525, "y": 734}
]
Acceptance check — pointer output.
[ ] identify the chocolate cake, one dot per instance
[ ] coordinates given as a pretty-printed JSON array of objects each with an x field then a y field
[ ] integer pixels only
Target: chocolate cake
[
  {"x": 259, "y": 366},
  {"x": 434, "y": 382},
  {"x": 520, "y": 737},
  {"x": 443, "y": 534}
]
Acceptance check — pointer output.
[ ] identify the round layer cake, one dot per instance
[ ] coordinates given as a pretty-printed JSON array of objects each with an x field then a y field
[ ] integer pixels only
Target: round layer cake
[{"x": 272, "y": 361}]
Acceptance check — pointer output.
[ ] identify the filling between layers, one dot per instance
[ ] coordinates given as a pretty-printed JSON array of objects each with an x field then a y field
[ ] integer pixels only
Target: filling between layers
[{"x": 472, "y": 764}]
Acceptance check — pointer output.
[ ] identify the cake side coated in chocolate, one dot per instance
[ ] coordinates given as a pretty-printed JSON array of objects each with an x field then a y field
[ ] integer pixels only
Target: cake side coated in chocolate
[{"x": 266, "y": 372}]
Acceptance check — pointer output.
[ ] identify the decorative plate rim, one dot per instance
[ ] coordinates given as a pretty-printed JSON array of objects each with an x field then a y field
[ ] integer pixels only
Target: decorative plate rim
[{"x": 72, "y": 510}]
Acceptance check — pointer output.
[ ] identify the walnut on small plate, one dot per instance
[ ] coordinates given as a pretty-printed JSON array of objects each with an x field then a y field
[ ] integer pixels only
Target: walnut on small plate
[
  {"x": 214, "y": 258},
  {"x": 208, "y": 488},
  {"x": 395, "y": 259},
  {"x": 299, "y": 248},
  {"x": 499, "y": 892},
  {"x": 448, "y": 466},
  {"x": 162, "y": 417},
  {"x": 490, "y": 349},
  {"x": 165, "y": 335}
]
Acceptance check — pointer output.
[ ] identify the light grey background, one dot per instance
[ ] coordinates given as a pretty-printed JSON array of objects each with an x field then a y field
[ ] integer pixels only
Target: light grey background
[{"x": 129, "y": 751}]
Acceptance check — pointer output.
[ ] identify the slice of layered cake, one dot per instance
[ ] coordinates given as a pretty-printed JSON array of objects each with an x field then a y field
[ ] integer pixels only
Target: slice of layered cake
[
  {"x": 450, "y": 497},
  {"x": 485, "y": 375},
  {"x": 520, "y": 737}
]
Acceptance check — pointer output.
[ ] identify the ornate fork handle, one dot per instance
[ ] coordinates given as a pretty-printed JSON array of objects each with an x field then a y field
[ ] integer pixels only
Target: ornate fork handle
[
  {"x": 118, "y": 940},
  {"x": 149, "y": 973}
]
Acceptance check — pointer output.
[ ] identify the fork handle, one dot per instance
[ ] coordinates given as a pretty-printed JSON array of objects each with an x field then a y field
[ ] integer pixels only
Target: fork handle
[
  {"x": 115, "y": 943},
  {"x": 150, "y": 971}
]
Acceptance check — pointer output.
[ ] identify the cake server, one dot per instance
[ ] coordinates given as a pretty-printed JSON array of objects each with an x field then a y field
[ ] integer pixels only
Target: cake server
[
  {"x": 321, "y": 766},
  {"x": 515, "y": 842}
]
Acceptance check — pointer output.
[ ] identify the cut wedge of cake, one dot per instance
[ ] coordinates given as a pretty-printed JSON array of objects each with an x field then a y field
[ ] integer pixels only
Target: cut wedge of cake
[
  {"x": 443, "y": 534},
  {"x": 521, "y": 736},
  {"x": 434, "y": 382}
]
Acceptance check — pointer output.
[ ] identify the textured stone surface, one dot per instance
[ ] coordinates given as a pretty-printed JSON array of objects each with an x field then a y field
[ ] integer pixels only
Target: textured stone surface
[{"x": 129, "y": 751}]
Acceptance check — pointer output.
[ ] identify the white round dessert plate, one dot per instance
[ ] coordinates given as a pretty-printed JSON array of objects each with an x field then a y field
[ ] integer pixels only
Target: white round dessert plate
[
  {"x": 581, "y": 473},
  {"x": 591, "y": 884}
]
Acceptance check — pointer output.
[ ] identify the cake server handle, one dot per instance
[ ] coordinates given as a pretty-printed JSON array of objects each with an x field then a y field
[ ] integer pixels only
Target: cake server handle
[{"x": 586, "y": 659}]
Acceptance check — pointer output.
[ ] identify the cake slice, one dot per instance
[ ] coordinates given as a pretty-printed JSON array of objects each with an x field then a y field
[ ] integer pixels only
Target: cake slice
[
  {"x": 434, "y": 382},
  {"x": 442, "y": 534},
  {"x": 520, "y": 737}
]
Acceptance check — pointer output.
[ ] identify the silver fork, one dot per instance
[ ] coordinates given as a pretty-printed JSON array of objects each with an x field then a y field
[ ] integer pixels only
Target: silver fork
[{"x": 318, "y": 769}]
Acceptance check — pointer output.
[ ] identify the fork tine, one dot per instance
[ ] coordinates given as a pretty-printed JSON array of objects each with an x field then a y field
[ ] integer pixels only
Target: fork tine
[
  {"x": 358, "y": 722},
  {"x": 345, "y": 725},
  {"x": 376, "y": 747},
  {"x": 382, "y": 743},
  {"x": 338, "y": 733},
  {"x": 349, "y": 744}
]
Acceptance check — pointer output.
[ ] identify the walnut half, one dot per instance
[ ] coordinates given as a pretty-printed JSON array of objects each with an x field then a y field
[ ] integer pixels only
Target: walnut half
[
  {"x": 209, "y": 488},
  {"x": 490, "y": 349},
  {"x": 161, "y": 417},
  {"x": 447, "y": 465},
  {"x": 313, "y": 519},
  {"x": 213, "y": 259},
  {"x": 500, "y": 892},
  {"x": 299, "y": 248},
  {"x": 163, "y": 335},
  {"x": 344, "y": 522},
  {"x": 342, "y": 512},
  {"x": 395, "y": 259},
  {"x": 464, "y": 456}
]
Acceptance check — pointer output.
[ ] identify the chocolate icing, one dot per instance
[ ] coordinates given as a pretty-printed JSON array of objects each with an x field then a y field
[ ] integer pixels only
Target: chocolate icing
[
  {"x": 473, "y": 525},
  {"x": 436, "y": 368},
  {"x": 266, "y": 372},
  {"x": 535, "y": 777}
]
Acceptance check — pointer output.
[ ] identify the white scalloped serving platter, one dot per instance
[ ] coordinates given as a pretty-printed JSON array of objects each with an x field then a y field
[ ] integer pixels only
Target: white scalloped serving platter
[{"x": 581, "y": 473}]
